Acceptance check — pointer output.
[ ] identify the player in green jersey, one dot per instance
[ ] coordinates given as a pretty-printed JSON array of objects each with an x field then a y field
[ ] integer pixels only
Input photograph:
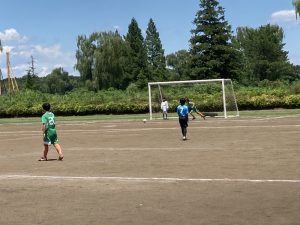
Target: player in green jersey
[
  {"x": 49, "y": 133},
  {"x": 193, "y": 109}
]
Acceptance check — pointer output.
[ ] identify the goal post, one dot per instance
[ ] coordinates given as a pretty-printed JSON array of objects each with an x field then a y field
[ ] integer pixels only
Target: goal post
[{"x": 214, "y": 97}]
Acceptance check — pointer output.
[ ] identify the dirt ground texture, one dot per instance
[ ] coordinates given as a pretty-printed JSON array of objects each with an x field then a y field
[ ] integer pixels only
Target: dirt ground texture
[{"x": 229, "y": 172}]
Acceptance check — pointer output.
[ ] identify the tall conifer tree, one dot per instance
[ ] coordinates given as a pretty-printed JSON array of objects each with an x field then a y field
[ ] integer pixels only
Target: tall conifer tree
[
  {"x": 212, "y": 55},
  {"x": 137, "y": 63},
  {"x": 155, "y": 53}
]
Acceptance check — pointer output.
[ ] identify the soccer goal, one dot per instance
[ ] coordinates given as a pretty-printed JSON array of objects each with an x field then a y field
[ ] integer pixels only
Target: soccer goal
[{"x": 213, "y": 97}]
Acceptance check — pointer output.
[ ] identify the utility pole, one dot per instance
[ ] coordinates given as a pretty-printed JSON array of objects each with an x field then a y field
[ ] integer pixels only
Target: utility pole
[{"x": 12, "y": 83}]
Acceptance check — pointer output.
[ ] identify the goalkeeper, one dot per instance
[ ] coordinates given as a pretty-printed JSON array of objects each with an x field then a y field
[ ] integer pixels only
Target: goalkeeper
[{"x": 192, "y": 109}]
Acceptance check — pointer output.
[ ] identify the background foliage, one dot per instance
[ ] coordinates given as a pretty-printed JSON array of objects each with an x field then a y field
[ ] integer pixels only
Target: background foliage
[{"x": 268, "y": 95}]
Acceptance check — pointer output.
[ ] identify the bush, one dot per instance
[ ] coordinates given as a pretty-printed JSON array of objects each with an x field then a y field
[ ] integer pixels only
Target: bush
[
  {"x": 133, "y": 101},
  {"x": 295, "y": 87}
]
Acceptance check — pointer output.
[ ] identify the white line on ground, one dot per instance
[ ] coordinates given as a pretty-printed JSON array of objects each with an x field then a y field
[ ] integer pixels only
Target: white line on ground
[
  {"x": 136, "y": 148},
  {"x": 158, "y": 179},
  {"x": 210, "y": 149},
  {"x": 150, "y": 128}
]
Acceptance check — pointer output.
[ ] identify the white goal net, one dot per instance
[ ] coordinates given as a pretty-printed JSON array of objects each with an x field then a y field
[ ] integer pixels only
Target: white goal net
[{"x": 214, "y": 97}]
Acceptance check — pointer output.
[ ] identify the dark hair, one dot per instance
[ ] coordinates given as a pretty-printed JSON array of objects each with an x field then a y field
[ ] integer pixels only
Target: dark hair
[
  {"x": 46, "y": 106},
  {"x": 187, "y": 99},
  {"x": 182, "y": 101}
]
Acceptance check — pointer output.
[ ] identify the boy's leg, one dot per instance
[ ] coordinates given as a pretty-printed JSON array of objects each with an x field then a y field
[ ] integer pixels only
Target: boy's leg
[
  {"x": 192, "y": 116},
  {"x": 184, "y": 131},
  {"x": 59, "y": 151},
  {"x": 185, "y": 127},
  {"x": 201, "y": 114},
  {"x": 45, "y": 153},
  {"x": 181, "y": 127},
  {"x": 165, "y": 115}
]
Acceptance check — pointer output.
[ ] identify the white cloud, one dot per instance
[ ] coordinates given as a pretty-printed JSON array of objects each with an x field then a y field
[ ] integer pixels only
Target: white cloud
[
  {"x": 12, "y": 35},
  {"x": 53, "y": 51},
  {"x": 22, "y": 67},
  {"x": 46, "y": 57},
  {"x": 284, "y": 16}
]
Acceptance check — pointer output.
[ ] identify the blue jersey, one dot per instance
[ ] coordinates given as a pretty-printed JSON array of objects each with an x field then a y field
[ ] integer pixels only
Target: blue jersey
[{"x": 182, "y": 111}]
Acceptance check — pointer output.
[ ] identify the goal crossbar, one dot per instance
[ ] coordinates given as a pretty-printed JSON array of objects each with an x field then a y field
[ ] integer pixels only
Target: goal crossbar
[{"x": 187, "y": 81}]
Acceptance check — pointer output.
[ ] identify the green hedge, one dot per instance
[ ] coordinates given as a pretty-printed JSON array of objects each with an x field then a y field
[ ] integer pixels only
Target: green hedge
[{"x": 81, "y": 102}]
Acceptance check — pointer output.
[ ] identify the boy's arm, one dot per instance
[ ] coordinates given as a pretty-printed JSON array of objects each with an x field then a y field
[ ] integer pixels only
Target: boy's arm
[{"x": 44, "y": 129}]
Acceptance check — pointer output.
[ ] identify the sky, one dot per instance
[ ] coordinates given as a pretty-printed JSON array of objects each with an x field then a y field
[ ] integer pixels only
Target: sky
[{"x": 48, "y": 29}]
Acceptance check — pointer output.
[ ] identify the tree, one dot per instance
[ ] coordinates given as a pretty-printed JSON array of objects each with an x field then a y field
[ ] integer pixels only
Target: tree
[
  {"x": 58, "y": 82},
  {"x": 110, "y": 60},
  {"x": 101, "y": 59},
  {"x": 32, "y": 81},
  {"x": 137, "y": 57},
  {"x": 212, "y": 54},
  {"x": 155, "y": 54},
  {"x": 263, "y": 53},
  {"x": 178, "y": 63},
  {"x": 296, "y": 4},
  {"x": 85, "y": 56}
]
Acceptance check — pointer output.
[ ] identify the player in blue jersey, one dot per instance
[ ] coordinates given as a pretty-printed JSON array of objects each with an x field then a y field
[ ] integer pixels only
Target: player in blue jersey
[{"x": 183, "y": 114}]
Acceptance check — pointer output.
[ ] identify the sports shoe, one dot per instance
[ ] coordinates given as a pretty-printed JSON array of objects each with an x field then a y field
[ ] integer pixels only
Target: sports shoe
[
  {"x": 184, "y": 138},
  {"x": 43, "y": 159},
  {"x": 60, "y": 158}
]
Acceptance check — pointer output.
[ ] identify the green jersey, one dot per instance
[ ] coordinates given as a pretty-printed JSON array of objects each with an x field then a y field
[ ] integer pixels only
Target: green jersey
[
  {"x": 49, "y": 120},
  {"x": 50, "y": 136},
  {"x": 191, "y": 106}
]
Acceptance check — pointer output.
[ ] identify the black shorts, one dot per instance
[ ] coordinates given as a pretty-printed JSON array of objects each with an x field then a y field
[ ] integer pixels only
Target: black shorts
[{"x": 183, "y": 121}]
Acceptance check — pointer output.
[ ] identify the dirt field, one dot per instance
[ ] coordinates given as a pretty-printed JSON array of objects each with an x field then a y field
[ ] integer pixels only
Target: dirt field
[{"x": 228, "y": 172}]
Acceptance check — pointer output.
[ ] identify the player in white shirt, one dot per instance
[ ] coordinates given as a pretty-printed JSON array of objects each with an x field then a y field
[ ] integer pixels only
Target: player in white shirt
[{"x": 164, "y": 107}]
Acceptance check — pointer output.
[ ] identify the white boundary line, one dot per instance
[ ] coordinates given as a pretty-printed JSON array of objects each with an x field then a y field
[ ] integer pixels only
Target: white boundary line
[
  {"x": 138, "y": 120},
  {"x": 138, "y": 148},
  {"x": 158, "y": 179},
  {"x": 26, "y": 133}
]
